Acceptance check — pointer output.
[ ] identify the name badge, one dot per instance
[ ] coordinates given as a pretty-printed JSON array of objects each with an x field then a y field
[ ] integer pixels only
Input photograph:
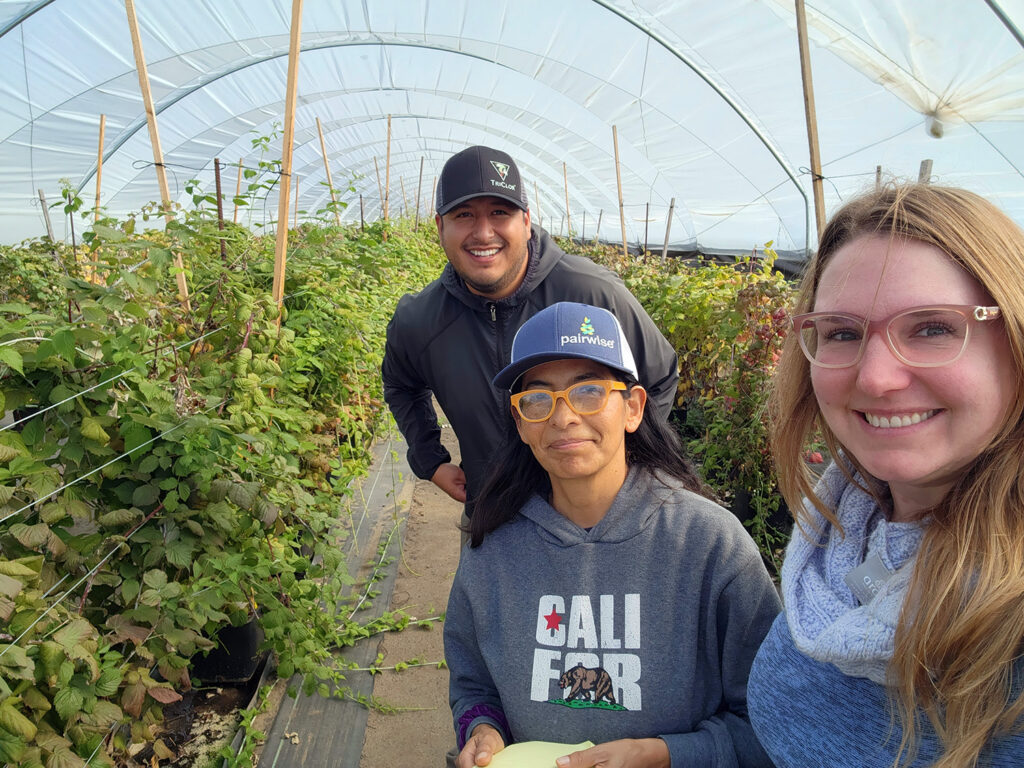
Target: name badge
[{"x": 867, "y": 579}]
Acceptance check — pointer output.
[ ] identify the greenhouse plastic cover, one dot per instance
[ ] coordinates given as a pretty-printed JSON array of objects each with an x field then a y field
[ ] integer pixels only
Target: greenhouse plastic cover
[{"x": 706, "y": 98}]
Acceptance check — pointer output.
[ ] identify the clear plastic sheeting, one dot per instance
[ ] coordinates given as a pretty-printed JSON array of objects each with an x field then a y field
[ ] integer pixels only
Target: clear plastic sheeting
[{"x": 706, "y": 97}]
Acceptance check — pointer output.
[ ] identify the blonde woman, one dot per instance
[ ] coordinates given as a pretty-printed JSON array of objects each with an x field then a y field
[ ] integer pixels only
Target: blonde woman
[{"x": 903, "y": 632}]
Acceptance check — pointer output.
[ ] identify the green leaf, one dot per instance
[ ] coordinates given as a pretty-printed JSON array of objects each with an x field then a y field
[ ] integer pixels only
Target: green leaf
[
  {"x": 134, "y": 435},
  {"x": 10, "y": 357},
  {"x": 11, "y": 748},
  {"x": 31, "y": 536},
  {"x": 145, "y": 495},
  {"x": 155, "y": 579},
  {"x": 92, "y": 430},
  {"x": 68, "y": 701},
  {"x": 64, "y": 342},
  {"x": 148, "y": 464},
  {"x": 16, "y": 569},
  {"x": 119, "y": 517},
  {"x": 34, "y": 432},
  {"x": 108, "y": 682},
  {"x": 12, "y": 721},
  {"x": 94, "y": 314}
]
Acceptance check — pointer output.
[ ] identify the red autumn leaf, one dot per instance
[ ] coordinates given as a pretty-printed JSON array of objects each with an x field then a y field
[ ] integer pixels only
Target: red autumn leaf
[{"x": 164, "y": 695}]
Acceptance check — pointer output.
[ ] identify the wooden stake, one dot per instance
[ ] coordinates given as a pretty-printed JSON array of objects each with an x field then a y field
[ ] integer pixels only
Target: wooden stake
[
  {"x": 419, "y": 194},
  {"x": 668, "y": 228},
  {"x": 812, "y": 120},
  {"x": 405, "y": 200},
  {"x": 295, "y": 213},
  {"x": 238, "y": 190},
  {"x": 618, "y": 182},
  {"x": 220, "y": 211},
  {"x": 565, "y": 179},
  {"x": 327, "y": 172},
  {"x": 583, "y": 234},
  {"x": 380, "y": 188},
  {"x": 597, "y": 234},
  {"x": 362, "y": 215},
  {"x": 46, "y": 216},
  {"x": 99, "y": 166},
  {"x": 154, "y": 138},
  {"x": 647, "y": 221},
  {"x": 284, "y": 187},
  {"x": 387, "y": 172},
  {"x": 924, "y": 175}
]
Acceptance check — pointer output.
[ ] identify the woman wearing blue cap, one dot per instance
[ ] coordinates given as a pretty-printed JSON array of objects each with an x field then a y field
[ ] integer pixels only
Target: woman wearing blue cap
[{"x": 601, "y": 597}]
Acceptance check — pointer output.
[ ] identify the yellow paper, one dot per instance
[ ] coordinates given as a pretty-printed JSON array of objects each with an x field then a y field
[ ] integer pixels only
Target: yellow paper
[{"x": 534, "y": 754}]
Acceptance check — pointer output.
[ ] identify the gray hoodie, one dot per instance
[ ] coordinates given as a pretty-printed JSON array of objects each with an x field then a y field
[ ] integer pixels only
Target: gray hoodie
[{"x": 646, "y": 625}]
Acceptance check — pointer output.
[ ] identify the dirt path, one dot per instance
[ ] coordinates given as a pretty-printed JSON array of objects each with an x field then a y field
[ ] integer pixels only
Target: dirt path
[{"x": 421, "y": 732}]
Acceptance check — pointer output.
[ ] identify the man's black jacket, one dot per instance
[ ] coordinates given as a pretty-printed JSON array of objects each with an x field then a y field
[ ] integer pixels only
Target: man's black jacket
[{"x": 452, "y": 342}]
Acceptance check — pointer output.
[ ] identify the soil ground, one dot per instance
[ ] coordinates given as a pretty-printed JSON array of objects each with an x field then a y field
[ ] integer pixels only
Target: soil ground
[{"x": 420, "y": 733}]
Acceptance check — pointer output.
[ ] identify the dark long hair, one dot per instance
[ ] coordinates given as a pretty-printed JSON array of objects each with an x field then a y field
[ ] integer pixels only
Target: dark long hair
[{"x": 654, "y": 447}]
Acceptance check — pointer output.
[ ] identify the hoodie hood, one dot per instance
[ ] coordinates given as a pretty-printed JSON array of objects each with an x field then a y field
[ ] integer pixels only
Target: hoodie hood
[{"x": 635, "y": 505}]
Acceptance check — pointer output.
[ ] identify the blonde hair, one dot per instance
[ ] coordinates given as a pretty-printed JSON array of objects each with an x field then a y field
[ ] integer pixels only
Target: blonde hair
[{"x": 962, "y": 627}]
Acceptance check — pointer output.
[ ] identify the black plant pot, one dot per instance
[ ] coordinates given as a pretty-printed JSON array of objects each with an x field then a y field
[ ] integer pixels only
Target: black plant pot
[{"x": 236, "y": 657}]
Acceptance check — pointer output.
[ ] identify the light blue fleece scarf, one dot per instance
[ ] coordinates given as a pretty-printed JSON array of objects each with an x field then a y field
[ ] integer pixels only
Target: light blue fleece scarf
[{"x": 826, "y": 620}]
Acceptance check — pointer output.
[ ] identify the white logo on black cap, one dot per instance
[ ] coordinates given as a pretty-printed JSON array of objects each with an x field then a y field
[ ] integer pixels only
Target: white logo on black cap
[{"x": 501, "y": 168}]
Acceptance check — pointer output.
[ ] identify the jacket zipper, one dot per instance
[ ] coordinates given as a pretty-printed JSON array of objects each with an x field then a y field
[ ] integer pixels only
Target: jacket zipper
[{"x": 494, "y": 311}]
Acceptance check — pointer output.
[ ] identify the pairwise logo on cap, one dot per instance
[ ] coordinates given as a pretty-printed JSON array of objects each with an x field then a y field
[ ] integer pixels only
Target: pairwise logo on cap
[{"x": 501, "y": 168}]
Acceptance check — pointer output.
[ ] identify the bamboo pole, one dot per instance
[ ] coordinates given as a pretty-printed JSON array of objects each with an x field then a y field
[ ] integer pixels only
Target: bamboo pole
[
  {"x": 238, "y": 190},
  {"x": 295, "y": 211},
  {"x": 380, "y": 187},
  {"x": 668, "y": 228},
  {"x": 154, "y": 138},
  {"x": 405, "y": 200},
  {"x": 284, "y": 188},
  {"x": 46, "y": 216},
  {"x": 812, "y": 120},
  {"x": 327, "y": 171},
  {"x": 99, "y": 166},
  {"x": 387, "y": 172},
  {"x": 362, "y": 215},
  {"x": 583, "y": 234},
  {"x": 600, "y": 213},
  {"x": 220, "y": 211},
  {"x": 647, "y": 222},
  {"x": 432, "y": 190},
  {"x": 618, "y": 182},
  {"x": 565, "y": 179},
  {"x": 419, "y": 194},
  {"x": 924, "y": 175}
]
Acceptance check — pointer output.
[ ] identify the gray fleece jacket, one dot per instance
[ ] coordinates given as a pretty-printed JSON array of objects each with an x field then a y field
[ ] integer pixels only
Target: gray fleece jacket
[{"x": 646, "y": 625}]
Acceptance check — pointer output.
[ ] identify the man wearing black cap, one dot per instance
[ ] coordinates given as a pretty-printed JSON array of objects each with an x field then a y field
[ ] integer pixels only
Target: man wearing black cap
[{"x": 451, "y": 338}]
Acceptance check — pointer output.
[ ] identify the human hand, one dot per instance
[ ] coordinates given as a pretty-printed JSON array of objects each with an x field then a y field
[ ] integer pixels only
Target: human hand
[
  {"x": 623, "y": 753},
  {"x": 452, "y": 480},
  {"x": 485, "y": 741}
]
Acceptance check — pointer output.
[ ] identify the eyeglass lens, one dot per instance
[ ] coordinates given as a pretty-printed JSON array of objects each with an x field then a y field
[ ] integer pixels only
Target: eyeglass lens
[
  {"x": 584, "y": 398},
  {"x": 925, "y": 336}
]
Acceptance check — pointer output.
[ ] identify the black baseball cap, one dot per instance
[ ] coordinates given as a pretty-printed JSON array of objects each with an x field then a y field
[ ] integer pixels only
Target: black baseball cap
[{"x": 479, "y": 172}]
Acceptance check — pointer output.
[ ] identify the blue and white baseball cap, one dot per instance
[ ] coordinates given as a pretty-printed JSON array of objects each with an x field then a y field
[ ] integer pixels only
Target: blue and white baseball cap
[{"x": 568, "y": 330}]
